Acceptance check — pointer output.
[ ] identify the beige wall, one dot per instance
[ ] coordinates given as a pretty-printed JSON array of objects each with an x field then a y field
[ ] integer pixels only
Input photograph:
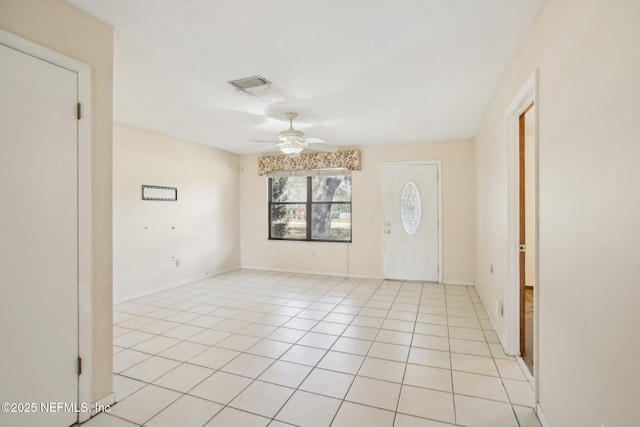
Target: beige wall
[
  {"x": 364, "y": 255},
  {"x": 589, "y": 62},
  {"x": 62, "y": 27},
  {"x": 201, "y": 229}
]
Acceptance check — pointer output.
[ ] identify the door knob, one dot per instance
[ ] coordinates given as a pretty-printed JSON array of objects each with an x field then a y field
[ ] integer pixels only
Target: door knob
[
  {"x": 387, "y": 231},
  {"x": 387, "y": 223}
]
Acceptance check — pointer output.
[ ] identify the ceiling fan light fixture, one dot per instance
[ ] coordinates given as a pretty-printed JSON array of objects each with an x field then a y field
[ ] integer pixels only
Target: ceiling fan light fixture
[
  {"x": 292, "y": 148},
  {"x": 291, "y": 135}
]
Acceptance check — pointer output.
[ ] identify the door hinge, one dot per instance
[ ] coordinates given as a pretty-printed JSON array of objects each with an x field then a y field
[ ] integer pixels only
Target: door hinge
[
  {"x": 79, "y": 110},
  {"x": 79, "y": 365}
]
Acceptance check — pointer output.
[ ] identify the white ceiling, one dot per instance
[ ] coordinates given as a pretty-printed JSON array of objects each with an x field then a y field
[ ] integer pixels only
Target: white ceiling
[{"x": 358, "y": 72}]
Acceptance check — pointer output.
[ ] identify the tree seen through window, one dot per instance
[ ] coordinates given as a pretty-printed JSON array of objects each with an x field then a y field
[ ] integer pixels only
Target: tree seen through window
[{"x": 310, "y": 208}]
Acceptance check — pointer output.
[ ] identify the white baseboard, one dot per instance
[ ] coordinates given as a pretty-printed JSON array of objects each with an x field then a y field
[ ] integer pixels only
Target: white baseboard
[
  {"x": 501, "y": 339},
  {"x": 525, "y": 371},
  {"x": 457, "y": 282},
  {"x": 168, "y": 286},
  {"x": 105, "y": 402},
  {"x": 323, "y": 273},
  {"x": 543, "y": 419},
  {"x": 156, "y": 289},
  {"x": 343, "y": 274}
]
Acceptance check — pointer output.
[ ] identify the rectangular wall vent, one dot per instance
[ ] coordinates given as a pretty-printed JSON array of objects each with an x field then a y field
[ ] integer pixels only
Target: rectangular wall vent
[{"x": 249, "y": 82}]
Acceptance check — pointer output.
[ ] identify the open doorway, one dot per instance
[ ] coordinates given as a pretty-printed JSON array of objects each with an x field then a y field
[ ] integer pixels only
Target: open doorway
[
  {"x": 521, "y": 121},
  {"x": 527, "y": 261}
]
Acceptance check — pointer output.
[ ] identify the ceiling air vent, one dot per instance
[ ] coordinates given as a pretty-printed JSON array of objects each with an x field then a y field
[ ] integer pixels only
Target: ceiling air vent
[{"x": 249, "y": 82}]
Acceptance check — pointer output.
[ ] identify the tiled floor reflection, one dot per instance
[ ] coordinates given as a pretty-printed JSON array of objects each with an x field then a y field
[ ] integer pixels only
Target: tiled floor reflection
[{"x": 256, "y": 348}]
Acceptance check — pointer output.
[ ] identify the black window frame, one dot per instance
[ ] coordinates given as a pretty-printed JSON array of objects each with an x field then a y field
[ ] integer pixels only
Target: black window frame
[{"x": 309, "y": 203}]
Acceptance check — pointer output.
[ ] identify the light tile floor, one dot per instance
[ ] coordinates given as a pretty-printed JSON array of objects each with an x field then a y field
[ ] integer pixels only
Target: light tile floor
[{"x": 256, "y": 348}]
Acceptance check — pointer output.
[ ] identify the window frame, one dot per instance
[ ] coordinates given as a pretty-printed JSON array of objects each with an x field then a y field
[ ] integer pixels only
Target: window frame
[{"x": 309, "y": 203}]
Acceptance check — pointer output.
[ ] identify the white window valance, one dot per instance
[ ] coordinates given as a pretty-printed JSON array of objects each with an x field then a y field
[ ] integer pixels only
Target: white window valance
[{"x": 347, "y": 159}]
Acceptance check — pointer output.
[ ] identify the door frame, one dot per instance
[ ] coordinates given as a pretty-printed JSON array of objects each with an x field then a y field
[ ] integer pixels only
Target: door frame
[
  {"x": 527, "y": 95},
  {"x": 438, "y": 164},
  {"x": 84, "y": 308}
]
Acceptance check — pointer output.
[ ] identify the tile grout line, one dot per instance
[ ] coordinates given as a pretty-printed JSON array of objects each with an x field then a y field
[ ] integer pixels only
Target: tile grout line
[
  {"x": 309, "y": 373},
  {"x": 453, "y": 387},
  {"x": 501, "y": 378},
  {"x": 329, "y": 349},
  {"x": 344, "y": 399},
  {"x": 227, "y": 405},
  {"x": 404, "y": 373},
  {"x": 306, "y": 291},
  {"x": 219, "y": 369}
]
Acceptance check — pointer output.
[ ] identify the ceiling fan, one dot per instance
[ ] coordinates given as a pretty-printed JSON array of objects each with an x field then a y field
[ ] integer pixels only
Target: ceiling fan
[{"x": 292, "y": 141}]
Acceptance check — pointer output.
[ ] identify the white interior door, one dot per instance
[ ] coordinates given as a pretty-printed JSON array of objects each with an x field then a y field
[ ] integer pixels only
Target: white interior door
[
  {"x": 39, "y": 238},
  {"x": 410, "y": 220}
]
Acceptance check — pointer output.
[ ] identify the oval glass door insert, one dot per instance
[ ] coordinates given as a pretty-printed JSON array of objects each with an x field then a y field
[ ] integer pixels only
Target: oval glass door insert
[{"x": 410, "y": 208}]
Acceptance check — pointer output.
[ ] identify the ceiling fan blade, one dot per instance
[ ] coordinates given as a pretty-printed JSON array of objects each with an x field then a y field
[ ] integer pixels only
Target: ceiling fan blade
[
  {"x": 292, "y": 140},
  {"x": 323, "y": 147},
  {"x": 267, "y": 149},
  {"x": 315, "y": 140}
]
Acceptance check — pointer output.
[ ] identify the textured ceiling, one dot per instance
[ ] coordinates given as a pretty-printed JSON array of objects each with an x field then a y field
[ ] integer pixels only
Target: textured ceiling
[{"x": 358, "y": 72}]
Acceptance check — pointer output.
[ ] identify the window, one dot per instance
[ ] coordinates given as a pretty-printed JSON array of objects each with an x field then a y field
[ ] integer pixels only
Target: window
[{"x": 316, "y": 208}]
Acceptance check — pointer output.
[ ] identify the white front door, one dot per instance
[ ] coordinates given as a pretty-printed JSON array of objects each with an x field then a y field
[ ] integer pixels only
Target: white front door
[
  {"x": 38, "y": 240},
  {"x": 410, "y": 222}
]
